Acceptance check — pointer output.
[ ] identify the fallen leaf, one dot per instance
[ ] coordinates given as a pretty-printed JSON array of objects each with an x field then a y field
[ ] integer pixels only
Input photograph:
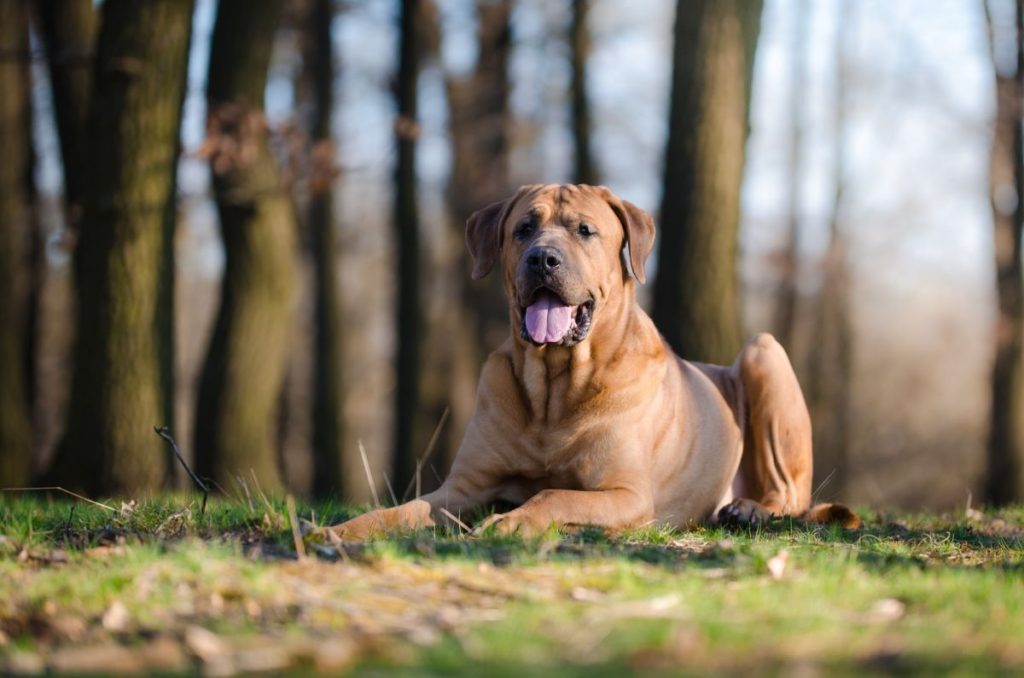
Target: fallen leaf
[
  {"x": 777, "y": 564},
  {"x": 886, "y": 610},
  {"x": 586, "y": 595},
  {"x": 206, "y": 645},
  {"x": 116, "y": 618}
]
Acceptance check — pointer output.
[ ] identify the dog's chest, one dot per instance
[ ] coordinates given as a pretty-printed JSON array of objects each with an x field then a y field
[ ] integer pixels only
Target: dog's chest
[
  {"x": 550, "y": 458},
  {"x": 554, "y": 384}
]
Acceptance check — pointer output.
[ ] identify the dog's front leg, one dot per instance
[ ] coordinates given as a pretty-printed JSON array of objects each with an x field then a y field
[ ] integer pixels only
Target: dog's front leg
[{"x": 612, "y": 509}]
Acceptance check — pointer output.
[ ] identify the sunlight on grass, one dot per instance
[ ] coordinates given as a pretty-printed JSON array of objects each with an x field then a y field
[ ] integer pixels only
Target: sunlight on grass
[{"x": 907, "y": 592}]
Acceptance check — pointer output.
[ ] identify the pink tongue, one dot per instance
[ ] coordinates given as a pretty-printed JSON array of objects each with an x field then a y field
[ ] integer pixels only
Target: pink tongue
[{"x": 548, "y": 319}]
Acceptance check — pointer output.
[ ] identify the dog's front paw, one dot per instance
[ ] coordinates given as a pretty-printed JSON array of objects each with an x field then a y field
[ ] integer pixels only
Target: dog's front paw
[
  {"x": 743, "y": 513},
  {"x": 514, "y": 522},
  {"x": 359, "y": 528}
]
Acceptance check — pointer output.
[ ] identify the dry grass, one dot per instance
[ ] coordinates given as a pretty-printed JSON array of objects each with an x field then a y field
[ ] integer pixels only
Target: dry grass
[{"x": 155, "y": 586}]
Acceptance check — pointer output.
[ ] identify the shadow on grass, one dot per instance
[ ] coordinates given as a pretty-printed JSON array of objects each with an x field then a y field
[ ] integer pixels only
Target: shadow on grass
[{"x": 261, "y": 527}]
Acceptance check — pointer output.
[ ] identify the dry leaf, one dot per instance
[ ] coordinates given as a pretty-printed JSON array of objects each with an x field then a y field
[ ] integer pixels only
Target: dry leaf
[
  {"x": 207, "y": 645},
  {"x": 886, "y": 610},
  {"x": 116, "y": 618},
  {"x": 777, "y": 564}
]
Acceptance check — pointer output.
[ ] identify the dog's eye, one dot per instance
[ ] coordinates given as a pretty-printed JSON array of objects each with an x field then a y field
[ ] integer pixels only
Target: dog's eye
[
  {"x": 523, "y": 230},
  {"x": 586, "y": 230}
]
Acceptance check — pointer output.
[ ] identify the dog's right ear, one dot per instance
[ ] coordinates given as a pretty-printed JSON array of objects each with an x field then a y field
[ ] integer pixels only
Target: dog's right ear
[
  {"x": 483, "y": 233},
  {"x": 483, "y": 237}
]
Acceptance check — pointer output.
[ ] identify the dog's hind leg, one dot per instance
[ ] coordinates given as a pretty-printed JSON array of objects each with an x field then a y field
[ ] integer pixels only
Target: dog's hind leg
[{"x": 775, "y": 471}]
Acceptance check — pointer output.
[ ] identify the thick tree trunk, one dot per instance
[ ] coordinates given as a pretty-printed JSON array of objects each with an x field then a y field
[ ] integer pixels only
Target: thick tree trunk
[
  {"x": 480, "y": 129},
  {"x": 15, "y": 231},
  {"x": 408, "y": 323},
  {"x": 584, "y": 169},
  {"x": 67, "y": 28},
  {"x": 117, "y": 394},
  {"x": 244, "y": 368},
  {"x": 1004, "y": 482},
  {"x": 328, "y": 454},
  {"x": 696, "y": 295}
]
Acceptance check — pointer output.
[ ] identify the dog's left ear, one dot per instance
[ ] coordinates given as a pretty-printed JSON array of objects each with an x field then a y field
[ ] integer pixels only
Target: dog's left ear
[
  {"x": 639, "y": 228},
  {"x": 483, "y": 233}
]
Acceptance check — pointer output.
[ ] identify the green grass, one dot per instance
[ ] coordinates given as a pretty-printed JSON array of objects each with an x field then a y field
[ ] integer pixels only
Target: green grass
[{"x": 90, "y": 587}]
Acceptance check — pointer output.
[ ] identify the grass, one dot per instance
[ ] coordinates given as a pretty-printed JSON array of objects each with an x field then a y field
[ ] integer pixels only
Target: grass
[{"x": 157, "y": 586}]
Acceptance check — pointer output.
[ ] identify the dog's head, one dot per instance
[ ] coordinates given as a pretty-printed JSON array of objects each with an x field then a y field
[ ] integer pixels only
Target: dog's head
[{"x": 563, "y": 254}]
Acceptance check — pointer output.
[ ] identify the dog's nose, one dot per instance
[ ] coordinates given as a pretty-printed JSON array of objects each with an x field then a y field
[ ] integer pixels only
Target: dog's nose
[{"x": 543, "y": 259}]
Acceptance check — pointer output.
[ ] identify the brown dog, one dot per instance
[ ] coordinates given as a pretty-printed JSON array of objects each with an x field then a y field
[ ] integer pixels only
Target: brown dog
[{"x": 584, "y": 416}]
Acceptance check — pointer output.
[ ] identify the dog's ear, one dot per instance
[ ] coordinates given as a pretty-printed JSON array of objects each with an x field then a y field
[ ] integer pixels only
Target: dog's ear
[
  {"x": 639, "y": 228},
  {"x": 483, "y": 233}
]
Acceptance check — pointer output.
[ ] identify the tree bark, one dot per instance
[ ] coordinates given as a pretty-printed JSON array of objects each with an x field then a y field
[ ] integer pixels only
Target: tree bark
[
  {"x": 408, "y": 323},
  {"x": 67, "y": 28},
  {"x": 117, "y": 391},
  {"x": 15, "y": 231},
  {"x": 696, "y": 295},
  {"x": 480, "y": 132},
  {"x": 244, "y": 368},
  {"x": 584, "y": 168},
  {"x": 786, "y": 309},
  {"x": 328, "y": 454},
  {"x": 1004, "y": 481}
]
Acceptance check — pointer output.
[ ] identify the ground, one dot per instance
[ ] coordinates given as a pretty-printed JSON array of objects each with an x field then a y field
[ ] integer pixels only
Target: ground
[{"x": 161, "y": 585}]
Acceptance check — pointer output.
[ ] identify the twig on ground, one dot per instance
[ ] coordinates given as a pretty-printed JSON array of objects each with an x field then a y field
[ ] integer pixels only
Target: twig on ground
[
  {"x": 293, "y": 518},
  {"x": 262, "y": 494},
  {"x": 67, "y": 525},
  {"x": 391, "y": 490},
  {"x": 431, "y": 444},
  {"x": 54, "y": 488},
  {"x": 164, "y": 433},
  {"x": 451, "y": 516},
  {"x": 822, "y": 485},
  {"x": 369, "y": 475}
]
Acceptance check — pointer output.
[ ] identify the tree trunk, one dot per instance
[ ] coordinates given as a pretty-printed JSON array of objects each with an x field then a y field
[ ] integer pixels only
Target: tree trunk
[
  {"x": 830, "y": 383},
  {"x": 67, "y": 28},
  {"x": 15, "y": 229},
  {"x": 480, "y": 131},
  {"x": 328, "y": 453},
  {"x": 696, "y": 295},
  {"x": 786, "y": 310},
  {"x": 584, "y": 169},
  {"x": 117, "y": 394},
  {"x": 1004, "y": 482},
  {"x": 244, "y": 368},
  {"x": 406, "y": 223}
]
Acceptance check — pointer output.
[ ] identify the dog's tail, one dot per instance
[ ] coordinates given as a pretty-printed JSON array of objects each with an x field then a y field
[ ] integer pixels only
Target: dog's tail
[{"x": 833, "y": 513}]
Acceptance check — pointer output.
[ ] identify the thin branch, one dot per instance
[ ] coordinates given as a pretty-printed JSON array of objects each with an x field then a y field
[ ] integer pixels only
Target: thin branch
[
  {"x": 451, "y": 516},
  {"x": 391, "y": 490},
  {"x": 426, "y": 455},
  {"x": 55, "y": 488},
  {"x": 293, "y": 518},
  {"x": 369, "y": 475},
  {"x": 164, "y": 433}
]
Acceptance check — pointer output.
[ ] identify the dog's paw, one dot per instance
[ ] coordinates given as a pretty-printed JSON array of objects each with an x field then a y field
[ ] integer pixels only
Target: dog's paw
[
  {"x": 359, "y": 528},
  {"x": 743, "y": 513},
  {"x": 514, "y": 522}
]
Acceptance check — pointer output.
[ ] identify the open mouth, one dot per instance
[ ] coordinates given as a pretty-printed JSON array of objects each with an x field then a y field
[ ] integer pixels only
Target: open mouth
[{"x": 549, "y": 320}]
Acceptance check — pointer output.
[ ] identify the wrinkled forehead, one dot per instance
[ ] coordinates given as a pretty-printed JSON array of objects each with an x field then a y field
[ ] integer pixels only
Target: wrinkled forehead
[{"x": 563, "y": 204}]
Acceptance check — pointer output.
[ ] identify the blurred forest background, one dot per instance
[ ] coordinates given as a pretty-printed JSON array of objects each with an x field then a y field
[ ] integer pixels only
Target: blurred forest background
[{"x": 244, "y": 219}]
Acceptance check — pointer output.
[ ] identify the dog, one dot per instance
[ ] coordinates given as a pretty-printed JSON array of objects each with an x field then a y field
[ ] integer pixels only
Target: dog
[{"x": 585, "y": 416}]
